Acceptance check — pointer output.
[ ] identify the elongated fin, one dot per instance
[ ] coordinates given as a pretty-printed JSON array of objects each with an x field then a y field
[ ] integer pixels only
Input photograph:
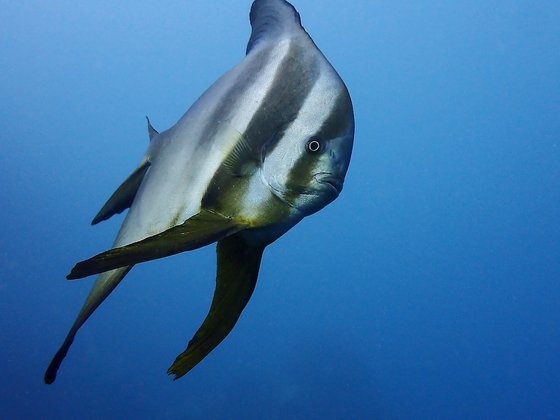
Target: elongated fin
[
  {"x": 238, "y": 269},
  {"x": 200, "y": 230},
  {"x": 152, "y": 132},
  {"x": 271, "y": 20},
  {"x": 123, "y": 197},
  {"x": 104, "y": 285}
]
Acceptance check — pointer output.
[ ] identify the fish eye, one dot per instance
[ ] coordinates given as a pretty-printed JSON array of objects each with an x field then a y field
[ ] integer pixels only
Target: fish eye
[{"x": 314, "y": 145}]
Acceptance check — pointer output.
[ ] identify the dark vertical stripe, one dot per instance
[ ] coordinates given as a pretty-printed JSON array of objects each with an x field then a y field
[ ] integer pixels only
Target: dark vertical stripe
[
  {"x": 297, "y": 74},
  {"x": 341, "y": 118},
  {"x": 230, "y": 99},
  {"x": 294, "y": 79},
  {"x": 339, "y": 123}
]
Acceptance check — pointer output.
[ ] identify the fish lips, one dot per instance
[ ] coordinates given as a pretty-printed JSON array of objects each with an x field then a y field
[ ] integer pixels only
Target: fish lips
[{"x": 332, "y": 182}]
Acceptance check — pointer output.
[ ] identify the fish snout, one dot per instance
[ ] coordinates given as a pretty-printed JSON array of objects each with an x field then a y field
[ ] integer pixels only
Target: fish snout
[{"x": 331, "y": 181}]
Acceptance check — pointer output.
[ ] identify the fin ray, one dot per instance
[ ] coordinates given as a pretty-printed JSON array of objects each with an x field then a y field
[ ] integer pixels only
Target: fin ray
[{"x": 242, "y": 160}]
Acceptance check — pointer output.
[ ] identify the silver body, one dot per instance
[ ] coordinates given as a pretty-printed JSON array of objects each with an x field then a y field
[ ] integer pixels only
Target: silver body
[
  {"x": 184, "y": 159},
  {"x": 266, "y": 145}
]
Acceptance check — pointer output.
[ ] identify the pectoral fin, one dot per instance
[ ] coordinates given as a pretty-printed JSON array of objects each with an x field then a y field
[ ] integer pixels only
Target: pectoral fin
[
  {"x": 238, "y": 268},
  {"x": 200, "y": 230},
  {"x": 122, "y": 198}
]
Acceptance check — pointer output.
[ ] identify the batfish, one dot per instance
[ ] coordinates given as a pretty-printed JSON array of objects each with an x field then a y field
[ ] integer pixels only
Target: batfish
[{"x": 268, "y": 144}]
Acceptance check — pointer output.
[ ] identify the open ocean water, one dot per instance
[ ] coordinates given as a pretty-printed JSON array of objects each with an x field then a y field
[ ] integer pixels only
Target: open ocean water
[{"x": 429, "y": 289}]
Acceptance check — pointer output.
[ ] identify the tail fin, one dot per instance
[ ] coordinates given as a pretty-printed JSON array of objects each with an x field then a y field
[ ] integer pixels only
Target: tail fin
[{"x": 104, "y": 285}]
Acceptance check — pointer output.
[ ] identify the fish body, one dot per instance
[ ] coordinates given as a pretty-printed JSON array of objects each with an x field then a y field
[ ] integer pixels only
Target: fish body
[{"x": 268, "y": 144}]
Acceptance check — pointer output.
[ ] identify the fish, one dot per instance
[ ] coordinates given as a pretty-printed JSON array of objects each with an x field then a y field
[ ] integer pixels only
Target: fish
[{"x": 266, "y": 145}]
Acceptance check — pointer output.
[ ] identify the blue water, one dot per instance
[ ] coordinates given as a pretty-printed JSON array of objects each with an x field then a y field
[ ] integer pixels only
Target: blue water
[{"x": 429, "y": 289}]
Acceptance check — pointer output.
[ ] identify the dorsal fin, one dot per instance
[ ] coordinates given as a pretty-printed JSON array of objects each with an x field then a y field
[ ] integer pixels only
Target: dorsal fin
[
  {"x": 271, "y": 20},
  {"x": 152, "y": 132}
]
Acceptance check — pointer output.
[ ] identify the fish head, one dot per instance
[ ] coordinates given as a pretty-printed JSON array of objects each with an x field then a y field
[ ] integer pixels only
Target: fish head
[{"x": 308, "y": 164}]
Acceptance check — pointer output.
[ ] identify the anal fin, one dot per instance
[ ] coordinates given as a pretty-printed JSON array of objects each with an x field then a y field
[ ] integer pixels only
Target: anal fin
[{"x": 238, "y": 269}]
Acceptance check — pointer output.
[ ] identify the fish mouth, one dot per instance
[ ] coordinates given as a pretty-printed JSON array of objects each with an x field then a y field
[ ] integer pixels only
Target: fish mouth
[{"x": 333, "y": 182}]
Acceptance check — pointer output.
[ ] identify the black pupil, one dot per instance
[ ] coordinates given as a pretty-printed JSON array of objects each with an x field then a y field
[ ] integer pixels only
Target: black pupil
[{"x": 314, "y": 146}]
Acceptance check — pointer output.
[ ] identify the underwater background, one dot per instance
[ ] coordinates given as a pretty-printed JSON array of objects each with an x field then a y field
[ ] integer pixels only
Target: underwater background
[{"x": 429, "y": 289}]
